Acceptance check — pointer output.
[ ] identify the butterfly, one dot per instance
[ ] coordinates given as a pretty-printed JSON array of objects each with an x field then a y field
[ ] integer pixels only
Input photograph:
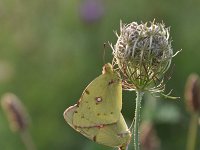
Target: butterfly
[{"x": 97, "y": 115}]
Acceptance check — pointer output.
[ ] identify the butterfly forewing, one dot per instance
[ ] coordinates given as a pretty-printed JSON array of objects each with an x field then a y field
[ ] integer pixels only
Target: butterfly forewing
[{"x": 101, "y": 102}]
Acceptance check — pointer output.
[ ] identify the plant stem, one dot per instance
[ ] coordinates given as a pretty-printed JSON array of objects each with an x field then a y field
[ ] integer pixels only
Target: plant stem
[
  {"x": 27, "y": 140},
  {"x": 137, "y": 120},
  {"x": 192, "y": 133}
]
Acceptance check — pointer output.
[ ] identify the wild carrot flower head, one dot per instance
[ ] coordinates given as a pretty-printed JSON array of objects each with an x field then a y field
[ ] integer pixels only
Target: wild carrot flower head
[{"x": 143, "y": 53}]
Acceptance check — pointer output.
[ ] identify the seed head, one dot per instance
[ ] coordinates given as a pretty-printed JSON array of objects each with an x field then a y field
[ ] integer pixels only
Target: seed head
[
  {"x": 15, "y": 111},
  {"x": 143, "y": 53},
  {"x": 192, "y": 93}
]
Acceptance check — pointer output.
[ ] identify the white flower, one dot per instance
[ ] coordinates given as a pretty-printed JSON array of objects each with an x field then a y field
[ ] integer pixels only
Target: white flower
[{"x": 143, "y": 53}]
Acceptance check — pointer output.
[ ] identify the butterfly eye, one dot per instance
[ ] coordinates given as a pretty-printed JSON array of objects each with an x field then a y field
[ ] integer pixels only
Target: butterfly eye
[{"x": 98, "y": 99}]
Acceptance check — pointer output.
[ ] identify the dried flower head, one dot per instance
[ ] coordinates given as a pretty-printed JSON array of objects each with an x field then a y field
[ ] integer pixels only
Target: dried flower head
[
  {"x": 148, "y": 137},
  {"x": 143, "y": 54},
  {"x": 15, "y": 111},
  {"x": 192, "y": 93}
]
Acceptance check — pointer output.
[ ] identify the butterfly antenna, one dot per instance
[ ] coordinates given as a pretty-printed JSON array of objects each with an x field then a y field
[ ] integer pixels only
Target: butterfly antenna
[{"x": 104, "y": 53}]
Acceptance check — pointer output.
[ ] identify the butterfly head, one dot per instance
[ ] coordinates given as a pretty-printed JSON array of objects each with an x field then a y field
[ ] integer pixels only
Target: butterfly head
[{"x": 107, "y": 68}]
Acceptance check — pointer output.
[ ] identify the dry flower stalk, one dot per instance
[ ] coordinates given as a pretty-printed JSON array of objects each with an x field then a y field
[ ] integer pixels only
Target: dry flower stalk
[
  {"x": 149, "y": 139},
  {"x": 15, "y": 112},
  {"x": 192, "y": 93}
]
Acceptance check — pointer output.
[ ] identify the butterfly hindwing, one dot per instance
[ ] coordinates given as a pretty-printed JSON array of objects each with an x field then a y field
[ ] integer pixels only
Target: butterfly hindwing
[
  {"x": 87, "y": 132},
  {"x": 113, "y": 135},
  {"x": 101, "y": 101}
]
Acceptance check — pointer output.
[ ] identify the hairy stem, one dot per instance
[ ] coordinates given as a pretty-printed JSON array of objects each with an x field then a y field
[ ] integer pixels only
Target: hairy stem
[
  {"x": 137, "y": 120},
  {"x": 192, "y": 133}
]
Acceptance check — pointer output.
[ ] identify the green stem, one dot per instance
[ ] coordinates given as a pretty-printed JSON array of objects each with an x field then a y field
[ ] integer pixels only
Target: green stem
[
  {"x": 137, "y": 120},
  {"x": 192, "y": 133}
]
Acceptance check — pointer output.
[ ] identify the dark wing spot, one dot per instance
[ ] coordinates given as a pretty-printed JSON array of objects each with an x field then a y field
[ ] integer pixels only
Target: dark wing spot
[
  {"x": 111, "y": 82},
  {"x": 82, "y": 116},
  {"x": 98, "y": 114},
  {"x": 87, "y": 92},
  {"x": 95, "y": 138},
  {"x": 98, "y": 99},
  {"x": 111, "y": 113},
  {"x": 100, "y": 126},
  {"x": 76, "y": 112}
]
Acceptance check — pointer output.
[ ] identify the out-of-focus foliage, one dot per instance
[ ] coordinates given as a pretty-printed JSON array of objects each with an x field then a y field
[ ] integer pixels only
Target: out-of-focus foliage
[{"x": 49, "y": 53}]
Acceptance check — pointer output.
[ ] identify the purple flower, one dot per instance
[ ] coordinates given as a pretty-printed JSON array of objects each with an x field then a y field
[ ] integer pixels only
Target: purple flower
[{"x": 91, "y": 11}]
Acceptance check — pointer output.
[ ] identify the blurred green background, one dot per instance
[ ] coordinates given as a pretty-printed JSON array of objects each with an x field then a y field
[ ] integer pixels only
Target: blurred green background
[{"x": 51, "y": 49}]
